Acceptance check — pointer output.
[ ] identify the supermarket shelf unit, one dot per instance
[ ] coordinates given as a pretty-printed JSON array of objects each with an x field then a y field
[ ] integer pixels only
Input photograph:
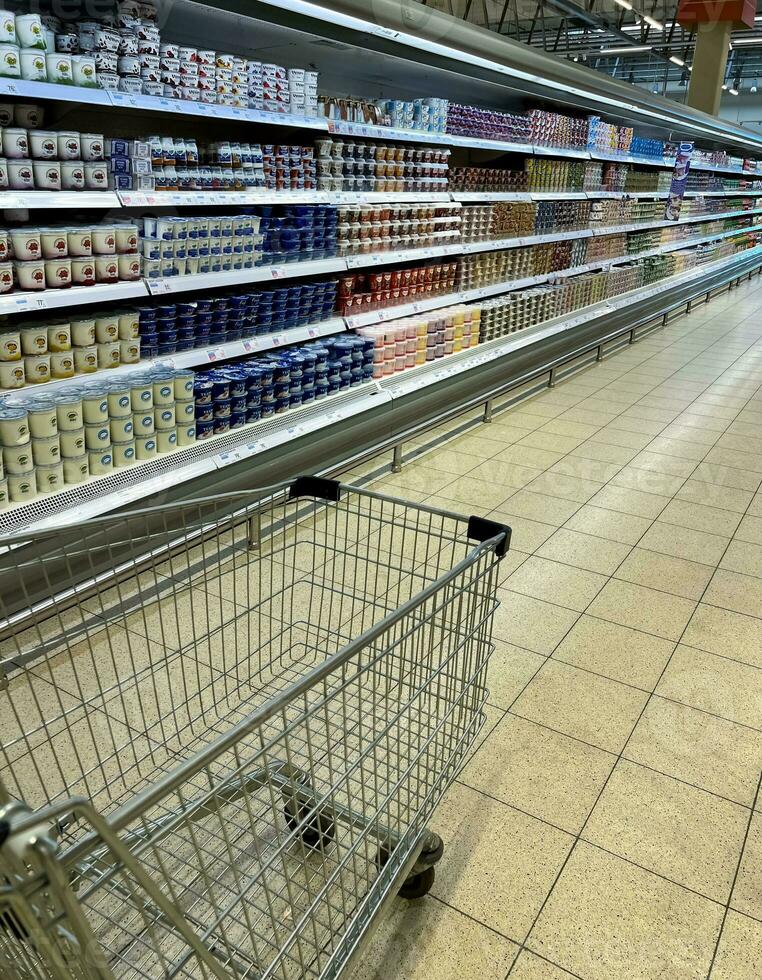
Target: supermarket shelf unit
[
  {"x": 379, "y": 411},
  {"x": 321, "y": 435}
]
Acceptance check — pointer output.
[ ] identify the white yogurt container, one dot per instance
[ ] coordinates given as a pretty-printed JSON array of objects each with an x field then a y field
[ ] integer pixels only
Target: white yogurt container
[
  {"x": 59, "y": 337},
  {"x": 106, "y": 268},
  {"x": 34, "y": 339},
  {"x": 106, "y": 327},
  {"x": 183, "y": 384},
  {"x": 18, "y": 459},
  {"x": 143, "y": 424},
  {"x": 30, "y": 32},
  {"x": 145, "y": 447},
  {"x": 164, "y": 417},
  {"x": 108, "y": 355},
  {"x": 12, "y": 375},
  {"x": 185, "y": 411},
  {"x": 166, "y": 440},
  {"x": 163, "y": 389},
  {"x": 141, "y": 394},
  {"x": 43, "y": 144},
  {"x": 14, "y": 426},
  {"x": 50, "y": 477},
  {"x": 83, "y": 271},
  {"x": 54, "y": 243},
  {"x": 37, "y": 368},
  {"x": 129, "y": 351},
  {"x": 26, "y": 243},
  {"x": 15, "y": 143},
  {"x": 80, "y": 242},
  {"x": 62, "y": 364},
  {"x": 46, "y": 450},
  {"x": 4, "y": 498},
  {"x": 69, "y": 412},
  {"x": 86, "y": 360},
  {"x": 121, "y": 429},
  {"x": 30, "y": 275},
  {"x": 42, "y": 418},
  {"x": 124, "y": 453},
  {"x": 2, "y": 471},
  {"x": 76, "y": 469},
  {"x": 94, "y": 406},
  {"x": 33, "y": 65},
  {"x": 100, "y": 462},
  {"x": 22, "y": 486},
  {"x": 58, "y": 273},
  {"x": 119, "y": 400},
  {"x": 186, "y": 434},
  {"x": 128, "y": 326},
  {"x": 98, "y": 436},
  {"x": 47, "y": 175},
  {"x": 83, "y": 332},
  {"x": 10, "y": 345},
  {"x": 73, "y": 443}
]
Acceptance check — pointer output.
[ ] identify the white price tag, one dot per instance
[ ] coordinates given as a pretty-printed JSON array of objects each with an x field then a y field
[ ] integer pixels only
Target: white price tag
[
  {"x": 215, "y": 354},
  {"x": 278, "y": 339},
  {"x": 312, "y": 333},
  {"x": 158, "y": 287},
  {"x": 250, "y": 345},
  {"x": 277, "y": 272},
  {"x": 386, "y": 32}
]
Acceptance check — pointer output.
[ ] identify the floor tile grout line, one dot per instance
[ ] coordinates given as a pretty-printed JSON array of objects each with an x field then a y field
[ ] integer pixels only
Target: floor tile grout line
[{"x": 735, "y": 878}]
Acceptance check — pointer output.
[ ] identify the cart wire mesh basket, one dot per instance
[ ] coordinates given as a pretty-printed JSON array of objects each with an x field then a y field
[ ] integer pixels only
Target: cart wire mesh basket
[{"x": 222, "y": 741}]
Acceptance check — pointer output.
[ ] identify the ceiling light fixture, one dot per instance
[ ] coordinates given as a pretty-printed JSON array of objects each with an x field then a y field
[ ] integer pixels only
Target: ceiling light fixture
[
  {"x": 733, "y": 91},
  {"x": 624, "y": 4},
  {"x": 652, "y": 22},
  {"x": 677, "y": 61},
  {"x": 627, "y": 49},
  {"x": 724, "y": 88},
  {"x": 748, "y": 40}
]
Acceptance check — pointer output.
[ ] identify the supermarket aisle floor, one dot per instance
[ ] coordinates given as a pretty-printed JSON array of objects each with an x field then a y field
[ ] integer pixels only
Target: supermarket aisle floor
[{"x": 609, "y": 824}]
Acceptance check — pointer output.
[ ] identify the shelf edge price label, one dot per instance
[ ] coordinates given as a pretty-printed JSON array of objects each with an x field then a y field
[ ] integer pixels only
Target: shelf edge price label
[{"x": 277, "y": 272}]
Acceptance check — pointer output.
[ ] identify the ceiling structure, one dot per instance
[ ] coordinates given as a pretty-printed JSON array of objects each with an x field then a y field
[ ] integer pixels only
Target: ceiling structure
[{"x": 637, "y": 41}]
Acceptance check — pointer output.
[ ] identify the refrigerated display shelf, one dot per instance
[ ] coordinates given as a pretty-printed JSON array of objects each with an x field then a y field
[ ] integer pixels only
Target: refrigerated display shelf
[
  {"x": 30, "y": 200},
  {"x": 57, "y": 299},
  {"x": 102, "y": 494}
]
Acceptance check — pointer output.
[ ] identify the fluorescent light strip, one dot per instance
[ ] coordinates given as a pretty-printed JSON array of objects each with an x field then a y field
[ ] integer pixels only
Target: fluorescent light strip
[
  {"x": 331, "y": 16},
  {"x": 624, "y": 4},
  {"x": 652, "y": 22},
  {"x": 628, "y": 49},
  {"x": 677, "y": 61}
]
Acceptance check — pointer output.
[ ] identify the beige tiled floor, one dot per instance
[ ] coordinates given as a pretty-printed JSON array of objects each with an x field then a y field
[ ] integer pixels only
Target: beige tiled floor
[{"x": 603, "y": 828}]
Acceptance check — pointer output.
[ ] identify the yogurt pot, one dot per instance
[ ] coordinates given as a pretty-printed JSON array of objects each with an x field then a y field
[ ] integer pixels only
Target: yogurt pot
[
  {"x": 50, "y": 477},
  {"x": 20, "y": 175},
  {"x": 108, "y": 355},
  {"x": 185, "y": 411},
  {"x": 94, "y": 405},
  {"x": 121, "y": 429},
  {"x": 59, "y": 336},
  {"x": 72, "y": 443},
  {"x": 163, "y": 390},
  {"x": 54, "y": 243},
  {"x": 166, "y": 440},
  {"x": 37, "y": 368},
  {"x": 62, "y": 364},
  {"x": 145, "y": 447},
  {"x": 3, "y": 173},
  {"x": 186, "y": 434},
  {"x": 59, "y": 67},
  {"x": 18, "y": 459},
  {"x": 12, "y": 375},
  {"x": 96, "y": 176},
  {"x": 14, "y": 427},
  {"x": 142, "y": 423},
  {"x": 79, "y": 241},
  {"x": 124, "y": 453},
  {"x": 128, "y": 326},
  {"x": 47, "y": 450},
  {"x": 83, "y": 331},
  {"x": 28, "y": 115},
  {"x": 22, "y": 486},
  {"x": 92, "y": 145},
  {"x": 30, "y": 32},
  {"x": 83, "y": 70},
  {"x": 33, "y": 64},
  {"x": 7, "y": 27},
  {"x": 100, "y": 462},
  {"x": 83, "y": 271},
  {"x": 42, "y": 418},
  {"x": 86, "y": 359},
  {"x": 47, "y": 175},
  {"x": 141, "y": 394},
  {"x": 129, "y": 351},
  {"x": 10, "y": 61},
  {"x": 5, "y": 245},
  {"x": 43, "y": 144},
  {"x": 128, "y": 267},
  {"x": 119, "y": 400},
  {"x": 15, "y": 143},
  {"x": 69, "y": 147},
  {"x": 4, "y": 498},
  {"x": 6, "y": 277},
  {"x": 98, "y": 436},
  {"x": 10, "y": 345},
  {"x": 30, "y": 275},
  {"x": 72, "y": 175},
  {"x": 69, "y": 413},
  {"x": 106, "y": 268},
  {"x": 2, "y": 471},
  {"x": 34, "y": 339},
  {"x": 6, "y": 110},
  {"x": 164, "y": 417},
  {"x": 104, "y": 239},
  {"x": 58, "y": 273},
  {"x": 106, "y": 327},
  {"x": 76, "y": 468},
  {"x": 126, "y": 239}
]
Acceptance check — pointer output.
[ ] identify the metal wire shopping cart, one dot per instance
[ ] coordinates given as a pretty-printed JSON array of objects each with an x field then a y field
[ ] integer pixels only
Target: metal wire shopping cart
[{"x": 222, "y": 741}]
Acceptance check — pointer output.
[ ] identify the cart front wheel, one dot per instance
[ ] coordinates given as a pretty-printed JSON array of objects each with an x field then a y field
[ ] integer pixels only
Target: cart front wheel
[{"x": 416, "y": 886}]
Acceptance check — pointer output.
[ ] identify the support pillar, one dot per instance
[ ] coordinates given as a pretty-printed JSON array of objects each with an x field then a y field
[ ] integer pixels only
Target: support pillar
[{"x": 713, "y": 21}]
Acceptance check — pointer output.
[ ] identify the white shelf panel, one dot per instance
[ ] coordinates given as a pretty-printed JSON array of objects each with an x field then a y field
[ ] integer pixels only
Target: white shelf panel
[
  {"x": 382, "y": 197},
  {"x": 558, "y": 195},
  {"x": 171, "y": 199},
  {"x": 30, "y": 200},
  {"x": 468, "y": 248},
  {"x": 478, "y": 197},
  {"x": 564, "y": 152},
  {"x": 47, "y": 90},
  {"x": 183, "y": 107},
  {"x": 405, "y": 255},
  {"x": 56, "y": 299},
  {"x": 237, "y": 277}
]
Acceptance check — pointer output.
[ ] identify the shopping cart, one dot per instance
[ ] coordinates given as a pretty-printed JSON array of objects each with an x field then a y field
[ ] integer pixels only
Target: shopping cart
[{"x": 223, "y": 739}]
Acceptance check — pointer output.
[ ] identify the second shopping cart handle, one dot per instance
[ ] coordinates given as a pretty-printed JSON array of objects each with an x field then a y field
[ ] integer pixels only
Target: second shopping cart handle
[
  {"x": 482, "y": 529},
  {"x": 315, "y": 486}
]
